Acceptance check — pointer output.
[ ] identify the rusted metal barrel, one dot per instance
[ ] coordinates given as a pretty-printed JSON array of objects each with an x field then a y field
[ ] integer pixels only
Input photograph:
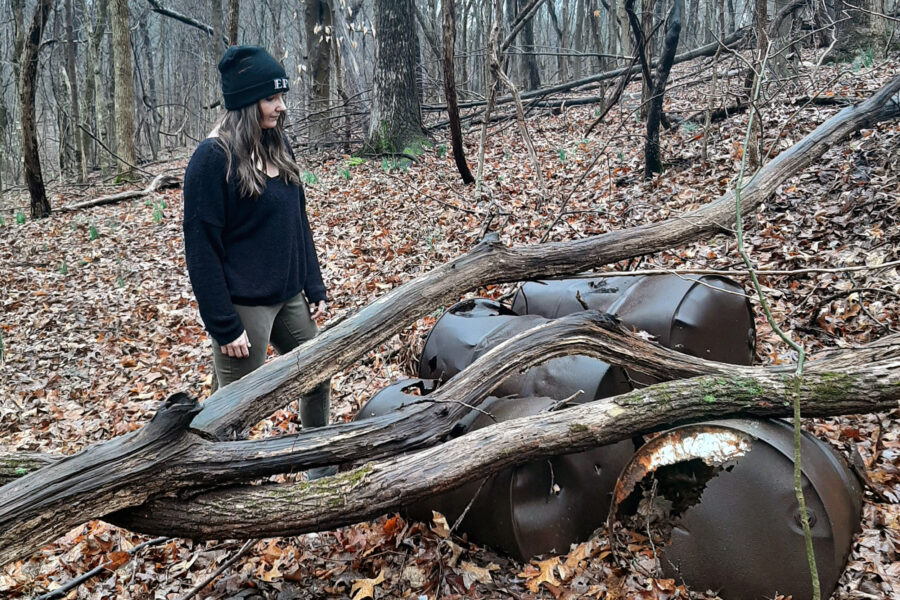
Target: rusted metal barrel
[
  {"x": 540, "y": 507},
  {"x": 705, "y": 316},
  {"x": 470, "y": 328},
  {"x": 396, "y": 395},
  {"x": 744, "y": 537}
]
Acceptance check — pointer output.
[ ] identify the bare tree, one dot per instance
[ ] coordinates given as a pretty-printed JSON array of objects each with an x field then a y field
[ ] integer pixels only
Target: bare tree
[
  {"x": 449, "y": 36},
  {"x": 319, "y": 35},
  {"x": 395, "y": 120},
  {"x": 120, "y": 24},
  {"x": 231, "y": 22},
  {"x": 652, "y": 159},
  {"x": 28, "y": 72}
]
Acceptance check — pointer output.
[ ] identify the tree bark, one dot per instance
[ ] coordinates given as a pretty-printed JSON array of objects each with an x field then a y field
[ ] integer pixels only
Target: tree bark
[
  {"x": 74, "y": 104},
  {"x": 396, "y": 117},
  {"x": 241, "y": 404},
  {"x": 531, "y": 76},
  {"x": 231, "y": 22},
  {"x": 165, "y": 458},
  {"x": 375, "y": 488},
  {"x": 319, "y": 29},
  {"x": 448, "y": 24},
  {"x": 120, "y": 25},
  {"x": 28, "y": 71},
  {"x": 652, "y": 158}
]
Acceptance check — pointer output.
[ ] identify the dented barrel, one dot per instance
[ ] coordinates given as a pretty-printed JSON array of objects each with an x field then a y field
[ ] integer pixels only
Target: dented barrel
[
  {"x": 396, "y": 396},
  {"x": 704, "y": 316},
  {"x": 470, "y": 328},
  {"x": 543, "y": 506},
  {"x": 741, "y": 532}
]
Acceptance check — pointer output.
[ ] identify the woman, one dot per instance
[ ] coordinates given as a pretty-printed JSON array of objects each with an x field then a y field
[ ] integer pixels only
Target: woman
[{"x": 248, "y": 245}]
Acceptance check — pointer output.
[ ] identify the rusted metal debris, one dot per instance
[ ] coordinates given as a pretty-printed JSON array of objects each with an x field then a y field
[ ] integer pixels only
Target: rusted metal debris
[
  {"x": 735, "y": 523},
  {"x": 704, "y": 316},
  {"x": 397, "y": 395},
  {"x": 470, "y": 328},
  {"x": 540, "y": 507}
]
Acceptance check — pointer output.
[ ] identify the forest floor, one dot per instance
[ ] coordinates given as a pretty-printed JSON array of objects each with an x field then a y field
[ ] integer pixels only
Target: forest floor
[{"x": 99, "y": 325}]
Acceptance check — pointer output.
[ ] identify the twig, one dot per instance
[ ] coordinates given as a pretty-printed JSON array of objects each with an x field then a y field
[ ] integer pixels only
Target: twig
[
  {"x": 731, "y": 272},
  {"x": 113, "y": 154},
  {"x": 64, "y": 589},
  {"x": 197, "y": 588}
]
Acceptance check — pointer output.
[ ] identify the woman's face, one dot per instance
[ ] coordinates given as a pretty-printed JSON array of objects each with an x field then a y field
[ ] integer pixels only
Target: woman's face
[{"x": 269, "y": 110}]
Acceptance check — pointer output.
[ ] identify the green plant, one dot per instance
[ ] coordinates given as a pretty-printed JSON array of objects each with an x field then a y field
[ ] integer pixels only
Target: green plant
[
  {"x": 345, "y": 173},
  {"x": 20, "y": 217},
  {"x": 561, "y": 152},
  {"x": 158, "y": 211},
  {"x": 62, "y": 269},
  {"x": 355, "y": 161},
  {"x": 2, "y": 221},
  {"x": 441, "y": 150},
  {"x": 689, "y": 127},
  {"x": 309, "y": 178},
  {"x": 865, "y": 59},
  {"x": 92, "y": 233}
]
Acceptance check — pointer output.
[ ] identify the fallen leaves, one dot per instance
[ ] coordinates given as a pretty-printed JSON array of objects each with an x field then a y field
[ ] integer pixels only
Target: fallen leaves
[{"x": 88, "y": 353}]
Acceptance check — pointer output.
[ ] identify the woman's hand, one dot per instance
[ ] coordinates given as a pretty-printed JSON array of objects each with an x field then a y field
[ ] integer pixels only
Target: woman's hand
[
  {"x": 239, "y": 348},
  {"x": 320, "y": 309}
]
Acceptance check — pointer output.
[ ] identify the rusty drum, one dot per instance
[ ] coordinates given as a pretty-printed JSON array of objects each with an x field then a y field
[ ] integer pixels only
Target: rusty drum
[
  {"x": 705, "y": 316},
  {"x": 470, "y": 328},
  {"x": 740, "y": 533},
  {"x": 395, "y": 396},
  {"x": 540, "y": 507}
]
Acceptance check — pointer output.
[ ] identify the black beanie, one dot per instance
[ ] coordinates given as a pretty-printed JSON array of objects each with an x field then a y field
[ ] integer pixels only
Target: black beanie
[{"x": 250, "y": 74}]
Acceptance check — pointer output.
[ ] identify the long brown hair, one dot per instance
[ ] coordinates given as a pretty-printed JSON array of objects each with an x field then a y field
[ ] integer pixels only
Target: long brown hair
[{"x": 246, "y": 145}]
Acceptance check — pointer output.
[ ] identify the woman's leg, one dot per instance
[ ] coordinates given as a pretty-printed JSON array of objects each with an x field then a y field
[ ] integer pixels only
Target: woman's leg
[
  {"x": 257, "y": 321},
  {"x": 293, "y": 326}
]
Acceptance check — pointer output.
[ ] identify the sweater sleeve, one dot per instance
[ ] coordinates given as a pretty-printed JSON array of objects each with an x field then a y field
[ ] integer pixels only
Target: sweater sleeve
[
  {"x": 205, "y": 192},
  {"x": 314, "y": 288}
]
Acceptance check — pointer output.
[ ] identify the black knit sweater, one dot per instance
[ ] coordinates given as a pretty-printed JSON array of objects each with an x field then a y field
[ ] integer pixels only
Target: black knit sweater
[{"x": 244, "y": 251}]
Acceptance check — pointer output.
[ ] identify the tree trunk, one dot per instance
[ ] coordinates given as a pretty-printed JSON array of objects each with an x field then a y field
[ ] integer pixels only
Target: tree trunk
[
  {"x": 165, "y": 458},
  {"x": 531, "y": 79},
  {"x": 448, "y": 23},
  {"x": 120, "y": 24},
  {"x": 28, "y": 71},
  {"x": 652, "y": 158},
  {"x": 561, "y": 62},
  {"x": 395, "y": 120},
  {"x": 231, "y": 22},
  {"x": 74, "y": 105},
  {"x": 318, "y": 18}
]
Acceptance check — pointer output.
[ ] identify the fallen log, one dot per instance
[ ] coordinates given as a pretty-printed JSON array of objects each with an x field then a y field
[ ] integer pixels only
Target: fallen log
[
  {"x": 165, "y": 458},
  {"x": 731, "y": 40},
  {"x": 235, "y": 408},
  {"x": 376, "y": 488},
  {"x": 161, "y": 181}
]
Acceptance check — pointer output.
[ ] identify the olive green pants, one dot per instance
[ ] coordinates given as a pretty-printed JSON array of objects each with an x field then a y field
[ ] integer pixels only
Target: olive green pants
[{"x": 285, "y": 326}]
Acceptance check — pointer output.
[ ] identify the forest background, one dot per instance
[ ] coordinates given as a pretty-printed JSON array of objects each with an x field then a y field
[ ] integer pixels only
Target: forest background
[{"x": 102, "y": 102}]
